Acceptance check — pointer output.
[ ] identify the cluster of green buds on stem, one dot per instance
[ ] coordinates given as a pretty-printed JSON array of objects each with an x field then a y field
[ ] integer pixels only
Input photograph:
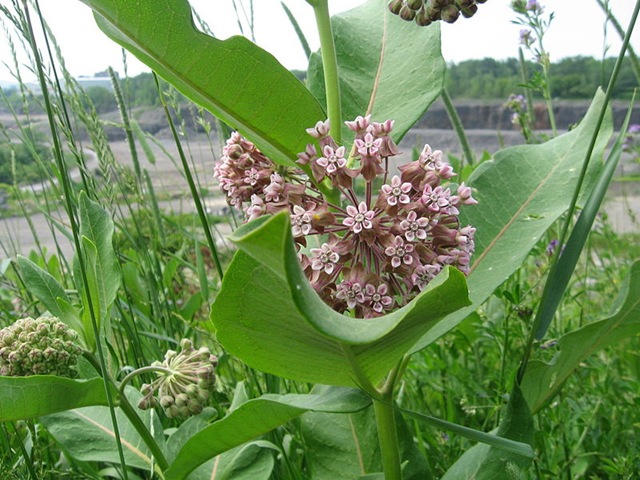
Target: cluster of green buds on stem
[
  {"x": 185, "y": 381},
  {"x": 42, "y": 346},
  {"x": 425, "y": 12},
  {"x": 379, "y": 242}
]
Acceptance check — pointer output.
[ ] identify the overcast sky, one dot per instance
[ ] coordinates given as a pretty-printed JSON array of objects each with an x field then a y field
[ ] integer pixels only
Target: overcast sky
[{"x": 578, "y": 29}]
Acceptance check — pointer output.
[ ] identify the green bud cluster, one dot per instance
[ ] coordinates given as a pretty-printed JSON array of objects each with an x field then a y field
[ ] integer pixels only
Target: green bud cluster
[
  {"x": 185, "y": 381},
  {"x": 425, "y": 12},
  {"x": 42, "y": 346}
]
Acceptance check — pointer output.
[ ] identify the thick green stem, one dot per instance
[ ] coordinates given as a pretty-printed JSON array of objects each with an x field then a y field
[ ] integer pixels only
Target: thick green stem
[
  {"x": 329, "y": 65},
  {"x": 388, "y": 438},
  {"x": 457, "y": 126}
]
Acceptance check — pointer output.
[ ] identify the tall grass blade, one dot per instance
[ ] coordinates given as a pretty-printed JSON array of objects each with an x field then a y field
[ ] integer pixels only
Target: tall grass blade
[{"x": 556, "y": 284}]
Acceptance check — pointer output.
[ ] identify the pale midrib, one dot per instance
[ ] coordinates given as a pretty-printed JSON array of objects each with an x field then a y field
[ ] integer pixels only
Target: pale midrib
[
  {"x": 129, "y": 446},
  {"x": 376, "y": 80},
  {"x": 357, "y": 445}
]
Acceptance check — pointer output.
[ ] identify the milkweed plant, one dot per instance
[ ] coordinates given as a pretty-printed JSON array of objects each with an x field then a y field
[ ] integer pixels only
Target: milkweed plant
[{"x": 353, "y": 254}]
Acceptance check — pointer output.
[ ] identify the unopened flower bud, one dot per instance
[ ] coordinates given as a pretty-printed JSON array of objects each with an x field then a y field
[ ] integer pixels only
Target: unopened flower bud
[
  {"x": 43, "y": 346},
  {"x": 449, "y": 14},
  {"x": 468, "y": 12},
  {"x": 185, "y": 380},
  {"x": 395, "y": 6},
  {"x": 406, "y": 13}
]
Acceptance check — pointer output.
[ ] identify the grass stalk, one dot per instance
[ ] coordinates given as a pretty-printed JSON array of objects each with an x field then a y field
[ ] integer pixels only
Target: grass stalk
[
  {"x": 536, "y": 332},
  {"x": 454, "y": 118},
  {"x": 68, "y": 195},
  {"x": 192, "y": 186}
]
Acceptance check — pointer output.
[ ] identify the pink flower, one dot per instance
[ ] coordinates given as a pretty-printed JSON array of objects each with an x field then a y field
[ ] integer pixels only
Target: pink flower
[
  {"x": 439, "y": 200},
  {"x": 369, "y": 146},
  {"x": 377, "y": 296},
  {"x": 360, "y": 124},
  {"x": 300, "y": 221},
  {"x": 399, "y": 252},
  {"x": 350, "y": 292},
  {"x": 397, "y": 192},
  {"x": 333, "y": 160},
  {"x": 324, "y": 258},
  {"x": 414, "y": 227},
  {"x": 256, "y": 209},
  {"x": 423, "y": 274},
  {"x": 359, "y": 218},
  {"x": 464, "y": 193}
]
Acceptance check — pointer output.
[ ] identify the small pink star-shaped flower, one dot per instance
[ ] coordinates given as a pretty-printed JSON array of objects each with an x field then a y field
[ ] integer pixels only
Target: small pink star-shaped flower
[
  {"x": 359, "y": 218},
  {"x": 397, "y": 192},
  {"x": 324, "y": 258}
]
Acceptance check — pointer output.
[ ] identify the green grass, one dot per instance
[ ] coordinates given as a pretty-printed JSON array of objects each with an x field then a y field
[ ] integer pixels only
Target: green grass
[{"x": 170, "y": 277}]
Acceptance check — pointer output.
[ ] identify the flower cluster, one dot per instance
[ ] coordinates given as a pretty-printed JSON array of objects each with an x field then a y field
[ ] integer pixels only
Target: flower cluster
[
  {"x": 42, "y": 346},
  {"x": 425, "y": 12},
  {"x": 185, "y": 381},
  {"x": 370, "y": 253}
]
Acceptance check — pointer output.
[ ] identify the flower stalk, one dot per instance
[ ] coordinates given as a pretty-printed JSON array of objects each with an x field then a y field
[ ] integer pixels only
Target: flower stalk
[{"x": 329, "y": 65}]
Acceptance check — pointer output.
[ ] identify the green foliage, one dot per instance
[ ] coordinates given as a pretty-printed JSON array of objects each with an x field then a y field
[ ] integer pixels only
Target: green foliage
[
  {"x": 38, "y": 395},
  {"x": 87, "y": 434},
  {"x": 372, "y": 80},
  {"x": 256, "y": 417},
  {"x": 537, "y": 182},
  {"x": 573, "y": 78},
  {"x": 265, "y": 302},
  {"x": 267, "y": 314},
  {"x": 185, "y": 57},
  {"x": 24, "y": 163}
]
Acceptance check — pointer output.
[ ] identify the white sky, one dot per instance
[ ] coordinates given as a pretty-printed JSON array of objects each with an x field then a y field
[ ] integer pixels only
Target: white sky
[{"x": 578, "y": 29}]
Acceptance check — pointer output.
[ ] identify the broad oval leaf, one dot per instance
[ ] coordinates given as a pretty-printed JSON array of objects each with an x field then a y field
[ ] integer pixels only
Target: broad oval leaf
[
  {"x": 389, "y": 68},
  {"x": 543, "y": 380},
  {"x": 346, "y": 447},
  {"x": 252, "y": 461},
  {"x": 237, "y": 81},
  {"x": 256, "y": 417},
  {"x": 38, "y": 395},
  {"x": 87, "y": 434},
  {"x": 268, "y": 315},
  {"x": 521, "y": 193}
]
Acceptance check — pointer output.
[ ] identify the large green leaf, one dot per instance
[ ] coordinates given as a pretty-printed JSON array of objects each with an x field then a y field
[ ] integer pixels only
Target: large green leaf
[
  {"x": 543, "y": 380},
  {"x": 561, "y": 273},
  {"x": 34, "y": 396},
  {"x": 87, "y": 434},
  {"x": 251, "y": 461},
  {"x": 234, "y": 79},
  {"x": 257, "y": 417},
  {"x": 521, "y": 193},
  {"x": 346, "y": 447},
  {"x": 387, "y": 67},
  {"x": 267, "y": 314},
  {"x": 484, "y": 462},
  {"x": 341, "y": 447}
]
